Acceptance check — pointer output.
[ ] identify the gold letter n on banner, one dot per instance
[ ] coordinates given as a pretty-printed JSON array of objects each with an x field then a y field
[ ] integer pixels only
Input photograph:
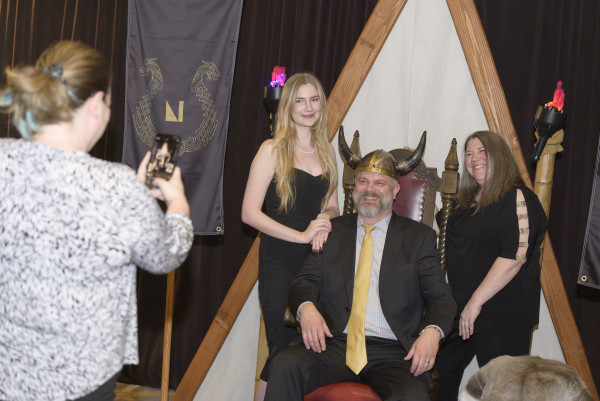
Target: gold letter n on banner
[{"x": 170, "y": 116}]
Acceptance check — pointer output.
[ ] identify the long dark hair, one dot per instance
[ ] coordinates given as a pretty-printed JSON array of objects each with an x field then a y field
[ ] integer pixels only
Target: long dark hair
[{"x": 502, "y": 173}]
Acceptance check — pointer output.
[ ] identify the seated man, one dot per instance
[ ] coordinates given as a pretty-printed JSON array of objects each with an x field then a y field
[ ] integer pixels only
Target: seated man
[{"x": 378, "y": 275}]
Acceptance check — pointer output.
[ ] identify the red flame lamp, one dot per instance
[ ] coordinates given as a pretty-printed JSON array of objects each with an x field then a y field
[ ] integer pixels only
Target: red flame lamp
[
  {"x": 548, "y": 119},
  {"x": 273, "y": 94}
]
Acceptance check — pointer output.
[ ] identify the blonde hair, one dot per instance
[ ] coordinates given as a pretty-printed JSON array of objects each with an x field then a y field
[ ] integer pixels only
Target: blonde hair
[
  {"x": 502, "y": 173},
  {"x": 63, "y": 78},
  {"x": 285, "y": 142}
]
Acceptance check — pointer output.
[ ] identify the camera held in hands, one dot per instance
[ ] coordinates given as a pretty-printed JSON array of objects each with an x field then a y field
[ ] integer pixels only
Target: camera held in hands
[{"x": 163, "y": 158}]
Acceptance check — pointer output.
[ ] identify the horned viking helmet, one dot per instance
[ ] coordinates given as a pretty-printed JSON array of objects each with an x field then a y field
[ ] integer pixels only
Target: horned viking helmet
[{"x": 380, "y": 161}]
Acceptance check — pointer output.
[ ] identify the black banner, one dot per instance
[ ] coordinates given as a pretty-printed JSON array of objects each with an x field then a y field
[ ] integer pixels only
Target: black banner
[
  {"x": 589, "y": 271},
  {"x": 180, "y": 62}
]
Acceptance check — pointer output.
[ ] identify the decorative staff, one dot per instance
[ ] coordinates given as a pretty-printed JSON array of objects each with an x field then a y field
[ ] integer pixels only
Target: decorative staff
[
  {"x": 273, "y": 94},
  {"x": 549, "y": 123},
  {"x": 272, "y": 97},
  {"x": 448, "y": 190},
  {"x": 167, "y": 334}
]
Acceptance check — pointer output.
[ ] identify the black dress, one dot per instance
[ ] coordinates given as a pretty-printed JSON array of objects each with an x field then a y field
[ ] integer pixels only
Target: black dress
[
  {"x": 473, "y": 242},
  {"x": 280, "y": 261}
]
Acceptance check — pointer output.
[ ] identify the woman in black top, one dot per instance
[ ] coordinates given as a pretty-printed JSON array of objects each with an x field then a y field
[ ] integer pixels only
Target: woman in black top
[
  {"x": 493, "y": 253},
  {"x": 295, "y": 176}
]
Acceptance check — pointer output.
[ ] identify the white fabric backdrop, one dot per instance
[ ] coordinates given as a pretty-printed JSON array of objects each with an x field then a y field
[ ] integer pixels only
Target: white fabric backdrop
[{"x": 420, "y": 82}]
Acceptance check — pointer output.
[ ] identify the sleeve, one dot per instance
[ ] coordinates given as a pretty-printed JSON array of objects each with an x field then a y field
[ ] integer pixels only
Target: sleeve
[
  {"x": 305, "y": 286},
  {"x": 159, "y": 243},
  {"x": 440, "y": 307},
  {"x": 507, "y": 226},
  {"x": 537, "y": 221}
]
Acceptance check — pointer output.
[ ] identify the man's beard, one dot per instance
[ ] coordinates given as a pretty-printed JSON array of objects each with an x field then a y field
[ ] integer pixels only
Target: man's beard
[{"x": 369, "y": 209}]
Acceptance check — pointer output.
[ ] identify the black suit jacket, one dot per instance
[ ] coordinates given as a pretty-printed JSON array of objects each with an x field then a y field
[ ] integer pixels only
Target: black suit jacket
[{"x": 412, "y": 286}]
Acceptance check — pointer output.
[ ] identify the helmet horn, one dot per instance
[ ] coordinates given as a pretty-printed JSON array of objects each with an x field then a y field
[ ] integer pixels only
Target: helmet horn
[
  {"x": 406, "y": 165},
  {"x": 351, "y": 158}
]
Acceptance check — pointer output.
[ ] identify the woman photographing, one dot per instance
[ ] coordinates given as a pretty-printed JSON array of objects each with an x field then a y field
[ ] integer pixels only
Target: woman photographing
[{"x": 73, "y": 228}]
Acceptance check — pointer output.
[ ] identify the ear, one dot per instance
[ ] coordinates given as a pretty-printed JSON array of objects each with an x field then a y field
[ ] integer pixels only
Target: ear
[
  {"x": 93, "y": 106},
  {"x": 97, "y": 102},
  {"x": 396, "y": 189}
]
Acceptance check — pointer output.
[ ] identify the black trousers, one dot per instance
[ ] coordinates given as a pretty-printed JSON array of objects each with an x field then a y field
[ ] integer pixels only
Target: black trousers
[
  {"x": 273, "y": 284},
  {"x": 106, "y": 392},
  {"x": 456, "y": 354},
  {"x": 297, "y": 371}
]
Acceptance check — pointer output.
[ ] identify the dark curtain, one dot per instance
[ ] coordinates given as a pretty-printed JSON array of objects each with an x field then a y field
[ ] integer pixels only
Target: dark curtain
[
  {"x": 28, "y": 27},
  {"x": 314, "y": 36},
  {"x": 534, "y": 44}
]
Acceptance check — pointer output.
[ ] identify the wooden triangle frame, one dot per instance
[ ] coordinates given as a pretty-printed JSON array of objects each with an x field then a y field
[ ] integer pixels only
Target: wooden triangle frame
[{"x": 491, "y": 95}]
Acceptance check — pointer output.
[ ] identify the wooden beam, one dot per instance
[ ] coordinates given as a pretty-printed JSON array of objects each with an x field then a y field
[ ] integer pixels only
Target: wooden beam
[
  {"x": 356, "y": 69},
  {"x": 168, "y": 330},
  {"x": 491, "y": 95},
  {"x": 363, "y": 56}
]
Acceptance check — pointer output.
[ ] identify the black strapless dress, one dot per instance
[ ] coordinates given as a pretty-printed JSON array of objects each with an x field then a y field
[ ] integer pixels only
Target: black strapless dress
[{"x": 280, "y": 261}]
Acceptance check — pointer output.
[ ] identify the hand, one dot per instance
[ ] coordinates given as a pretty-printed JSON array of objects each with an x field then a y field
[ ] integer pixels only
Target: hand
[
  {"x": 315, "y": 226},
  {"x": 321, "y": 237},
  {"x": 143, "y": 168},
  {"x": 467, "y": 319},
  {"x": 141, "y": 174},
  {"x": 314, "y": 328},
  {"x": 319, "y": 240},
  {"x": 423, "y": 351},
  {"x": 172, "y": 191}
]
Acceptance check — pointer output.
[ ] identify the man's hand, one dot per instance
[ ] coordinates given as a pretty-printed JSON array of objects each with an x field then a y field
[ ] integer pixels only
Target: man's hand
[
  {"x": 423, "y": 351},
  {"x": 314, "y": 328}
]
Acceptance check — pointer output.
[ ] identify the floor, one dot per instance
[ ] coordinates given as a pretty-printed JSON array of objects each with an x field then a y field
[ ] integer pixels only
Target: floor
[{"x": 134, "y": 392}]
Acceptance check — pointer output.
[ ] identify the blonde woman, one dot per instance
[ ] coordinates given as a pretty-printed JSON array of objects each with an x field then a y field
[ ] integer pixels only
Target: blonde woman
[
  {"x": 294, "y": 175},
  {"x": 73, "y": 228}
]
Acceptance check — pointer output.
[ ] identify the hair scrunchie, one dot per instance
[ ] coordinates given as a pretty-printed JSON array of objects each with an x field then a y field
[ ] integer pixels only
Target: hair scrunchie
[
  {"x": 55, "y": 70},
  {"x": 27, "y": 126},
  {"x": 6, "y": 98}
]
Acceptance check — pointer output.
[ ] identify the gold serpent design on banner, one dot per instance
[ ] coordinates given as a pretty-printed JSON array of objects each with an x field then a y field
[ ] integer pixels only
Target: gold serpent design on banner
[
  {"x": 207, "y": 127},
  {"x": 143, "y": 123}
]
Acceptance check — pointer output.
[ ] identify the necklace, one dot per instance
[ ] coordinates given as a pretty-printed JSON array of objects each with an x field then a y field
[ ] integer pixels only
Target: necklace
[{"x": 304, "y": 151}]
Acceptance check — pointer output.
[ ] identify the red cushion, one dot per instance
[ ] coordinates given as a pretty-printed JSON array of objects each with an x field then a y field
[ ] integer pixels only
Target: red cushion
[{"x": 344, "y": 391}]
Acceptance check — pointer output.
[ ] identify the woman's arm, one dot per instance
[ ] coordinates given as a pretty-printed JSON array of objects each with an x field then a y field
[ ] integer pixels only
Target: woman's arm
[
  {"x": 502, "y": 272},
  {"x": 331, "y": 211},
  {"x": 158, "y": 243},
  {"x": 261, "y": 175}
]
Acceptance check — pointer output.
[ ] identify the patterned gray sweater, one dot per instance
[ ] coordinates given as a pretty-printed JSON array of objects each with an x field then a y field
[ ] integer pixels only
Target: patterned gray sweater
[{"x": 72, "y": 230}]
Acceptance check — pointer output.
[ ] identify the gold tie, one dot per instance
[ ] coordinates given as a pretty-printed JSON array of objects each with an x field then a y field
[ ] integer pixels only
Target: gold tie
[{"x": 356, "y": 350}]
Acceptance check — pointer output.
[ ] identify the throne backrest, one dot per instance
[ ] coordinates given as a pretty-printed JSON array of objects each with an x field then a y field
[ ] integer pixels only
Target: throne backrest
[{"x": 416, "y": 199}]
